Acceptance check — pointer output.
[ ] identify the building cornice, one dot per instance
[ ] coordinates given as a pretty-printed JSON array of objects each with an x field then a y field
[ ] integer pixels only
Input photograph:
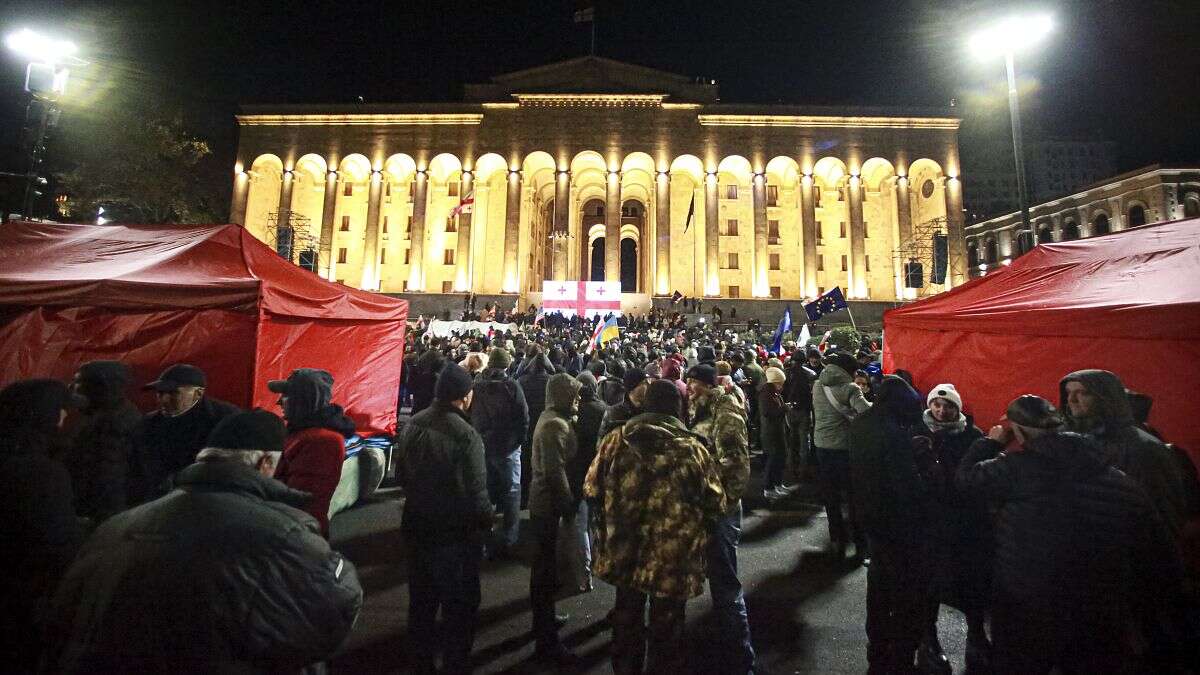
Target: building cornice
[
  {"x": 829, "y": 121},
  {"x": 367, "y": 119},
  {"x": 591, "y": 100}
]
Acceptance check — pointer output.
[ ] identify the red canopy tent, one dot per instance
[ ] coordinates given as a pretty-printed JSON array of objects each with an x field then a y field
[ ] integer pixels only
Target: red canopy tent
[
  {"x": 1128, "y": 302},
  {"x": 210, "y": 295}
]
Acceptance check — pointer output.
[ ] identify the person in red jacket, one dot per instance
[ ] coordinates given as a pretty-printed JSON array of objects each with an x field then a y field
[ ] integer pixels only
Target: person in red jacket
[{"x": 316, "y": 441}]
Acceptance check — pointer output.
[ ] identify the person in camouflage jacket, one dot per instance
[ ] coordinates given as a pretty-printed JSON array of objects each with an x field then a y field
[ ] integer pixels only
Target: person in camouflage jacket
[
  {"x": 655, "y": 492},
  {"x": 717, "y": 417}
]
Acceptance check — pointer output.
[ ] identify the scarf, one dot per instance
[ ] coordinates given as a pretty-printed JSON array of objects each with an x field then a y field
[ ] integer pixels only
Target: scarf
[{"x": 954, "y": 427}]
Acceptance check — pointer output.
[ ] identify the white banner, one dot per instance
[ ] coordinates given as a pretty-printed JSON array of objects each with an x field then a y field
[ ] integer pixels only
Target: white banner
[{"x": 438, "y": 328}]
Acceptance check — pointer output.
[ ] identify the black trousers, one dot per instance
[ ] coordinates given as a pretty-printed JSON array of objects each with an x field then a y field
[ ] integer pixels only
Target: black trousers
[
  {"x": 446, "y": 577},
  {"x": 837, "y": 489},
  {"x": 897, "y": 606},
  {"x": 1033, "y": 640},
  {"x": 631, "y": 634},
  {"x": 543, "y": 580}
]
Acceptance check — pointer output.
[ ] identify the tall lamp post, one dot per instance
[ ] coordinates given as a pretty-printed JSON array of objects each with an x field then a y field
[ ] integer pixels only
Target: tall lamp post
[
  {"x": 45, "y": 80},
  {"x": 1007, "y": 38}
]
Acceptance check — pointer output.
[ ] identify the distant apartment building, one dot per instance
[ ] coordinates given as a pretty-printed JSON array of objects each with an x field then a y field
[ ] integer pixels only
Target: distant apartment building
[{"x": 1053, "y": 166}]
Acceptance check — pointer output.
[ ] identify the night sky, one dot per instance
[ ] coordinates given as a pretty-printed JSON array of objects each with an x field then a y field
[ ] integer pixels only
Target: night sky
[{"x": 1123, "y": 71}]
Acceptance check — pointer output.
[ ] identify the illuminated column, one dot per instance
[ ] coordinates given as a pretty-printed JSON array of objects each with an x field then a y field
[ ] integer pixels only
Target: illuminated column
[
  {"x": 370, "y": 257},
  {"x": 758, "y": 191},
  {"x": 462, "y": 255},
  {"x": 712, "y": 280},
  {"x": 285, "y": 199},
  {"x": 562, "y": 213},
  {"x": 328, "y": 207},
  {"x": 858, "y": 245},
  {"x": 612, "y": 227},
  {"x": 512, "y": 233},
  {"x": 662, "y": 234},
  {"x": 904, "y": 232},
  {"x": 1056, "y": 229},
  {"x": 808, "y": 215},
  {"x": 416, "y": 256},
  {"x": 241, "y": 190},
  {"x": 957, "y": 259}
]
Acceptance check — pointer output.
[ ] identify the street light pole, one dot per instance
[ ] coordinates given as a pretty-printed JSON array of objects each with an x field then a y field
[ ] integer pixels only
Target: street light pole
[{"x": 1014, "y": 113}]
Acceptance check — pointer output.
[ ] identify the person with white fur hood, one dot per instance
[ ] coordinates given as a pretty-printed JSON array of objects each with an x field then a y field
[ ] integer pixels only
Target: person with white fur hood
[{"x": 960, "y": 529}]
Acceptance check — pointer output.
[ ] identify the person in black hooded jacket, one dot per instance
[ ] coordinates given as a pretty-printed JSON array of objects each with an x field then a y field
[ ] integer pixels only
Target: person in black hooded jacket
[
  {"x": 501, "y": 416},
  {"x": 420, "y": 385},
  {"x": 894, "y": 504},
  {"x": 103, "y": 440},
  {"x": 1080, "y": 549},
  {"x": 534, "y": 376},
  {"x": 222, "y": 575},
  {"x": 39, "y": 528}
]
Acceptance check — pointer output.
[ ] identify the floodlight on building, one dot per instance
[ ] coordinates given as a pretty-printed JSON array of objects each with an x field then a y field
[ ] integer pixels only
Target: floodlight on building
[
  {"x": 1012, "y": 35},
  {"x": 40, "y": 48}
]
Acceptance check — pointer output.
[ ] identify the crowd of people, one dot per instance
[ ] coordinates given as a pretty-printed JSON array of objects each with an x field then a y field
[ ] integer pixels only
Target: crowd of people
[{"x": 193, "y": 537}]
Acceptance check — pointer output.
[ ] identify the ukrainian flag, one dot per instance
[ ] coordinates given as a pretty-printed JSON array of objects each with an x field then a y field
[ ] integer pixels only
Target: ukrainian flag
[{"x": 605, "y": 332}]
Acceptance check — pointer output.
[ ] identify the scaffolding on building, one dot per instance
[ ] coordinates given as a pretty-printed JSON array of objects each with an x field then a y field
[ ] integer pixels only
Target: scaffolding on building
[
  {"x": 919, "y": 249},
  {"x": 290, "y": 235}
]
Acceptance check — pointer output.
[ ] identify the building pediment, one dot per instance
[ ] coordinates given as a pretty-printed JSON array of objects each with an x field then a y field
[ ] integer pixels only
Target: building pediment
[{"x": 591, "y": 76}]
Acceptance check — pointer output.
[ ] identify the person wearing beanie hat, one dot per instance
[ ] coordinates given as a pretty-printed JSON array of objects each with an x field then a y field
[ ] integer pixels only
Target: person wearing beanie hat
[
  {"x": 1079, "y": 549},
  {"x": 960, "y": 528},
  {"x": 500, "y": 413},
  {"x": 447, "y": 516},
  {"x": 316, "y": 442},
  {"x": 555, "y": 445},
  {"x": 226, "y": 533},
  {"x": 652, "y": 528},
  {"x": 773, "y": 434},
  {"x": 721, "y": 421}
]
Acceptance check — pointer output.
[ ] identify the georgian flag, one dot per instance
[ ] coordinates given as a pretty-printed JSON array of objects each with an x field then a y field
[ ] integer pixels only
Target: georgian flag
[
  {"x": 467, "y": 205},
  {"x": 585, "y": 298}
]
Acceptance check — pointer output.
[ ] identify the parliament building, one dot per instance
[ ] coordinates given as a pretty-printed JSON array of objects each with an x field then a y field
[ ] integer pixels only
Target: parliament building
[{"x": 593, "y": 169}]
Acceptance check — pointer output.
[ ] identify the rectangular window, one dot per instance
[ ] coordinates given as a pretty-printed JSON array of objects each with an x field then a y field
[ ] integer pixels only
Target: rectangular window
[
  {"x": 448, "y": 256},
  {"x": 817, "y": 196},
  {"x": 731, "y": 191},
  {"x": 866, "y": 230},
  {"x": 820, "y": 290},
  {"x": 818, "y": 228},
  {"x": 447, "y": 286},
  {"x": 408, "y": 226},
  {"x": 867, "y": 261},
  {"x": 348, "y": 189},
  {"x": 841, "y": 194},
  {"x": 383, "y": 256},
  {"x": 774, "y": 261},
  {"x": 843, "y": 263},
  {"x": 772, "y": 232},
  {"x": 407, "y": 255},
  {"x": 345, "y": 223},
  {"x": 730, "y": 228},
  {"x": 342, "y": 256},
  {"x": 412, "y": 190},
  {"x": 731, "y": 261},
  {"x": 820, "y": 263},
  {"x": 776, "y": 292},
  {"x": 452, "y": 189},
  {"x": 404, "y": 285},
  {"x": 341, "y": 281},
  {"x": 451, "y": 226},
  {"x": 735, "y": 292},
  {"x": 385, "y": 224},
  {"x": 842, "y": 229},
  {"x": 772, "y": 195},
  {"x": 387, "y": 189}
]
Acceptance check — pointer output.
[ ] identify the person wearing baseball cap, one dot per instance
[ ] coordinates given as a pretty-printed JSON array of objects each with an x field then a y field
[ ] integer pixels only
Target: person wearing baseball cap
[
  {"x": 316, "y": 441},
  {"x": 173, "y": 434},
  {"x": 1081, "y": 549}
]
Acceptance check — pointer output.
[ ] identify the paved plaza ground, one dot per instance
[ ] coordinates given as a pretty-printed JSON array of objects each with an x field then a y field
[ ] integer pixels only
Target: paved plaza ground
[{"x": 806, "y": 612}]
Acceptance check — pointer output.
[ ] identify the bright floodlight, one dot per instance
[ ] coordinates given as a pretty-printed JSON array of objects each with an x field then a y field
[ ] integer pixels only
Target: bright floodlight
[
  {"x": 39, "y": 48},
  {"x": 1011, "y": 35}
]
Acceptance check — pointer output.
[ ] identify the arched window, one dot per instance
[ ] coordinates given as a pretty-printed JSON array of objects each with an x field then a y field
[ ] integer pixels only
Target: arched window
[
  {"x": 1024, "y": 242},
  {"x": 991, "y": 251},
  {"x": 1191, "y": 206},
  {"x": 1137, "y": 215},
  {"x": 1044, "y": 234},
  {"x": 1070, "y": 231},
  {"x": 1100, "y": 225},
  {"x": 972, "y": 254}
]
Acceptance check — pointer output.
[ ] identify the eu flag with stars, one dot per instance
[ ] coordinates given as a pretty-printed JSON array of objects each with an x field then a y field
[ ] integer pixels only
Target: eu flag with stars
[{"x": 828, "y": 303}]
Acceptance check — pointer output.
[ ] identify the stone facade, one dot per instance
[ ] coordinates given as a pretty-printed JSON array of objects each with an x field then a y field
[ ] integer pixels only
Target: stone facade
[
  {"x": 1149, "y": 195},
  {"x": 593, "y": 168}
]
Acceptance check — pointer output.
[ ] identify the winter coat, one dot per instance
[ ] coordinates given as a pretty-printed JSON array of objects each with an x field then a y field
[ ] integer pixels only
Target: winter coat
[
  {"x": 312, "y": 458},
  {"x": 103, "y": 441},
  {"x": 772, "y": 418},
  {"x": 424, "y": 377},
  {"x": 167, "y": 445},
  {"x": 1078, "y": 543},
  {"x": 1139, "y": 455},
  {"x": 891, "y": 492},
  {"x": 799, "y": 385},
  {"x": 220, "y": 575},
  {"x": 957, "y": 517},
  {"x": 554, "y": 447},
  {"x": 499, "y": 412},
  {"x": 656, "y": 491},
  {"x": 440, "y": 464},
  {"x": 587, "y": 433},
  {"x": 616, "y": 416},
  {"x": 533, "y": 383},
  {"x": 717, "y": 417},
  {"x": 830, "y": 426}
]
